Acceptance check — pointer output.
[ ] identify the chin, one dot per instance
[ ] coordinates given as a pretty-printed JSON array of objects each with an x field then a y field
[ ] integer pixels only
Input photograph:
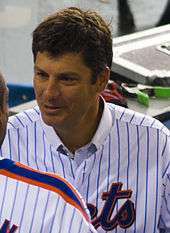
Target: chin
[{"x": 49, "y": 120}]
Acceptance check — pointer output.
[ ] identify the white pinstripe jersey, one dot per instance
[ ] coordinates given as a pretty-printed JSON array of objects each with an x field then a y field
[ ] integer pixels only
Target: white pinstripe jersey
[
  {"x": 35, "y": 201},
  {"x": 123, "y": 175}
]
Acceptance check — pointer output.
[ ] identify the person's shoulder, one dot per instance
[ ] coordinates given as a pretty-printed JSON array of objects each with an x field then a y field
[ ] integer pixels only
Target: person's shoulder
[
  {"x": 24, "y": 118},
  {"x": 45, "y": 181},
  {"x": 126, "y": 115}
]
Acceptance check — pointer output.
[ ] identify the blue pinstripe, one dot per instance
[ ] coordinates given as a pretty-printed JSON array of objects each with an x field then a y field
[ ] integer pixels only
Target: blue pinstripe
[
  {"x": 18, "y": 145},
  {"x": 23, "y": 211},
  {"x": 35, "y": 144},
  {"x": 15, "y": 196},
  {"x": 88, "y": 182},
  {"x": 163, "y": 151},
  {"x": 80, "y": 227},
  {"x": 146, "y": 187},
  {"x": 166, "y": 169},
  {"x": 28, "y": 116},
  {"x": 153, "y": 122},
  {"x": 127, "y": 127},
  {"x": 137, "y": 172},
  {"x": 132, "y": 118},
  {"x": 11, "y": 124},
  {"x": 9, "y": 143},
  {"x": 122, "y": 114},
  {"x": 61, "y": 225},
  {"x": 72, "y": 172},
  {"x": 142, "y": 120},
  {"x": 27, "y": 145},
  {"x": 118, "y": 138},
  {"x": 44, "y": 214},
  {"x": 19, "y": 120},
  {"x": 44, "y": 147},
  {"x": 157, "y": 167},
  {"x": 118, "y": 166},
  {"x": 108, "y": 172},
  {"x": 52, "y": 160},
  {"x": 71, "y": 221},
  {"x": 84, "y": 168},
  {"x": 35, "y": 206},
  {"x": 36, "y": 111},
  {"x": 98, "y": 178},
  {"x": 52, "y": 222},
  {"x": 62, "y": 165}
]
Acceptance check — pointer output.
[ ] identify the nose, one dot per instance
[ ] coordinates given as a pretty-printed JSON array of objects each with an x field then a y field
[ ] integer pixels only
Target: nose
[{"x": 52, "y": 89}]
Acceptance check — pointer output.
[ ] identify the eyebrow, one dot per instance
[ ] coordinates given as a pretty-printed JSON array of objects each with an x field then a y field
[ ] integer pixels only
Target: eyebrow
[
  {"x": 38, "y": 68},
  {"x": 69, "y": 73}
]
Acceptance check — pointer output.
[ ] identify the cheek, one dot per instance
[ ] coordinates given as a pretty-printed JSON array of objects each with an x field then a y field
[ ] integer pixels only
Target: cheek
[
  {"x": 86, "y": 96},
  {"x": 80, "y": 99},
  {"x": 76, "y": 97},
  {"x": 38, "y": 89}
]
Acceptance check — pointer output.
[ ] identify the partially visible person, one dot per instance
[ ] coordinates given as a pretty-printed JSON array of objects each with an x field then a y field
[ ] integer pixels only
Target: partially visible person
[
  {"x": 118, "y": 159},
  {"x": 34, "y": 201}
]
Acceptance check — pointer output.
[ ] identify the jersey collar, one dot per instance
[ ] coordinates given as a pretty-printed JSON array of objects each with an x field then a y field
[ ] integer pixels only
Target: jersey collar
[
  {"x": 98, "y": 139},
  {"x": 104, "y": 127}
]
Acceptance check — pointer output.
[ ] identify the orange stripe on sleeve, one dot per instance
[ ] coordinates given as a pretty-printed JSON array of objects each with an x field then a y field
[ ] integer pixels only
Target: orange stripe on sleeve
[{"x": 46, "y": 186}]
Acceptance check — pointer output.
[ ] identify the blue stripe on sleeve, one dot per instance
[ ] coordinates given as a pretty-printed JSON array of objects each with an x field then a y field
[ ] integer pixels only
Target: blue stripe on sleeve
[{"x": 10, "y": 166}]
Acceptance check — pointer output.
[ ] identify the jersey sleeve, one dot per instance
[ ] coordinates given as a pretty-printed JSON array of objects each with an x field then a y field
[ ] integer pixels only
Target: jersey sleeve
[
  {"x": 164, "y": 221},
  {"x": 74, "y": 212}
]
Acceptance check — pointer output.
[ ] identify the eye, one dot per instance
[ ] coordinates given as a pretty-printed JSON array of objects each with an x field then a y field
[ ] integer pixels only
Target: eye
[
  {"x": 41, "y": 74},
  {"x": 68, "y": 80},
  {"x": 65, "y": 78}
]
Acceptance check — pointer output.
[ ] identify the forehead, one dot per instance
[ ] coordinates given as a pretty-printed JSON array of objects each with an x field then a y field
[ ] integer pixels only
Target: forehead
[{"x": 73, "y": 62}]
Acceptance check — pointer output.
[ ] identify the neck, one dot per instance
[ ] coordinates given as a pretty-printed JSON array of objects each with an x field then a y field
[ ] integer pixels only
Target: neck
[{"x": 82, "y": 134}]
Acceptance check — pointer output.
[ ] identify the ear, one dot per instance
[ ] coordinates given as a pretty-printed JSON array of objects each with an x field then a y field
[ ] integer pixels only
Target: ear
[{"x": 103, "y": 79}]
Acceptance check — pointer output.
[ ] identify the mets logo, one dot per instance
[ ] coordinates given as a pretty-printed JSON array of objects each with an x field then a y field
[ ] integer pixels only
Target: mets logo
[{"x": 124, "y": 217}]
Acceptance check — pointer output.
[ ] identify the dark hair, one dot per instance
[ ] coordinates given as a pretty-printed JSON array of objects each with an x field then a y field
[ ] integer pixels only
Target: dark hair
[{"x": 76, "y": 31}]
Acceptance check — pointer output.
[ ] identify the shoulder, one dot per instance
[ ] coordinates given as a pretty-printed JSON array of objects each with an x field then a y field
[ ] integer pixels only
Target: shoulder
[
  {"x": 23, "y": 119},
  {"x": 45, "y": 180},
  {"x": 133, "y": 118}
]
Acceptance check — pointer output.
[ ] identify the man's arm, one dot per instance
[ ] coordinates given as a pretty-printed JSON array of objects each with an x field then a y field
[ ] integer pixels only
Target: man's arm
[{"x": 70, "y": 204}]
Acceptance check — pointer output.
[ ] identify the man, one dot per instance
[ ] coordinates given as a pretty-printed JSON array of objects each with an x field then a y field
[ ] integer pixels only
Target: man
[
  {"x": 35, "y": 201},
  {"x": 118, "y": 159}
]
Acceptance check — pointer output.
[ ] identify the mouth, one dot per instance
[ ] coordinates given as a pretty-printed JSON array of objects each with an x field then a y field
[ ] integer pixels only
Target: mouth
[{"x": 52, "y": 109}]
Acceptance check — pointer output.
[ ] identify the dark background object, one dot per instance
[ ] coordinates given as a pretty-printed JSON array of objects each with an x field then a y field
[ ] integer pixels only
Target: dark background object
[{"x": 19, "y": 94}]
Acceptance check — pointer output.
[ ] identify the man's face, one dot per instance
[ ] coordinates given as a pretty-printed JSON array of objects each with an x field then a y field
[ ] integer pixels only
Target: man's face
[
  {"x": 3, "y": 109},
  {"x": 64, "y": 91}
]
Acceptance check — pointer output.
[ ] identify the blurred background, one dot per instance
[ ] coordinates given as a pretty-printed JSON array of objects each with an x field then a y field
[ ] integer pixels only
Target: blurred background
[{"x": 18, "y": 18}]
